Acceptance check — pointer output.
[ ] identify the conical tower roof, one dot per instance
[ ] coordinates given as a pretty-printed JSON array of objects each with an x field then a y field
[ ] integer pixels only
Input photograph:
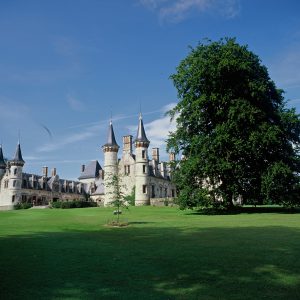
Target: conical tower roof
[
  {"x": 141, "y": 134},
  {"x": 2, "y": 162},
  {"x": 111, "y": 140},
  {"x": 18, "y": 156}
]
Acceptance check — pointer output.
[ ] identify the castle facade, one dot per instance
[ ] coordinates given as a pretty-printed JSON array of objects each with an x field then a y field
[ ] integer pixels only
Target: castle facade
[{"x": 147, "y": 180}]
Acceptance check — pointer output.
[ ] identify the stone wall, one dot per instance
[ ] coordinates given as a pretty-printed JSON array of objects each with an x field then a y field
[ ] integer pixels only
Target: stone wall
[{"x": 162, "y": 201}]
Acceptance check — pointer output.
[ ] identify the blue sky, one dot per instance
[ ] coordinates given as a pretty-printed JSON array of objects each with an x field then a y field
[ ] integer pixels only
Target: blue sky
[{"x": 68, "y": 64}]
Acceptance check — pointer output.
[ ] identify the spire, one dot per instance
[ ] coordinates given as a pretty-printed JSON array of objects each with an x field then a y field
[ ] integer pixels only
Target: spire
[
  {"x": 18, "y": 156},
  {"x": 2, "y": 162},
  {"x": 141, "y": 135},
  {"x": 111, "y": 140}
]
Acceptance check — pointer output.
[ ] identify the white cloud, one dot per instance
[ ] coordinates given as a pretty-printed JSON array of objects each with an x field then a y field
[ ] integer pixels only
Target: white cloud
[
  {"x": 158, "y": 131},
  {"x": 178, "y": 10},
  {"x": 168, "y": 107}
]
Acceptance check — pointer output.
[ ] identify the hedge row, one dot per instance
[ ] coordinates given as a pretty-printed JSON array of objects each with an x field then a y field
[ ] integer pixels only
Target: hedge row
[{"x": 73, "y": 204}]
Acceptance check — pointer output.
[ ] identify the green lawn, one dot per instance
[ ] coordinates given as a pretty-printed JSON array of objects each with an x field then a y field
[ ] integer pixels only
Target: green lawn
[{"x": 163, "y": 254}]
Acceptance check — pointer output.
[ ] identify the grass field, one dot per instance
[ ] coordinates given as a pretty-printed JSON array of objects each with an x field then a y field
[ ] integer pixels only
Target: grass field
[{"x": 164, "y": 253}]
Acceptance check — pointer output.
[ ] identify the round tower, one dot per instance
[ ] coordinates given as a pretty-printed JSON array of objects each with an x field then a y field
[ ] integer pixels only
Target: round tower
[
  {"x": 110, "y": 150},
  {"x": 15, "y": 177},
  {"x": 141, "y": 166}
]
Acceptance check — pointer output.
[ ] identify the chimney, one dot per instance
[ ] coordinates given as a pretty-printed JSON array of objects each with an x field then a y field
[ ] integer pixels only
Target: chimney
[
  {"x": 127, "y": 144},
  {"x": 155, "y": 154},
  {"x": 53, "y": 172},
  {"x": 172, "y": 156},
  {"x": 82, "y": 168},
  {"x": 45, "y": 171}
]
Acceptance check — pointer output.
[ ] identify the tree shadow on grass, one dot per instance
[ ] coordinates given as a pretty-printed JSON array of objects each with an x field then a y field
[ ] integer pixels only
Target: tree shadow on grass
[
  {"x": 246, "y": 210},
  {"x": 153, "y": 263}
]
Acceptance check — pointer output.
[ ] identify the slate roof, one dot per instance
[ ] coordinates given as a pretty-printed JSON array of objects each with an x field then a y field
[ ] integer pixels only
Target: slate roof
[
  {"x": 2, "y": 162},
  {"x": 18, "y": 156},
  {"x": 111, "y": 140},
  {"x": 141, "y": 135},
  {"x": 92, "y": 170},
  {"x": 37, "y": 183}
]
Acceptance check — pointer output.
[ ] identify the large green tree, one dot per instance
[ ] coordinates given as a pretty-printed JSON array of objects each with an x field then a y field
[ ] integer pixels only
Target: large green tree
[{"x": 233, "y": 128}]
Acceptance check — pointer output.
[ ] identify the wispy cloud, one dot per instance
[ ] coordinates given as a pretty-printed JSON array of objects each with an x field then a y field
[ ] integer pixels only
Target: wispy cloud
[
  {"x": 12, "y": 110},
  {"x": 118, "y": 118},
  {"x": 157, "y": 130},
  {"x": 178, "y": 10},
  {"x": 53, "y": 162},
  {"x": 294, "y": 102},
  {"x": 65, "y": 141},
  {"x": 75, "y": 104},
  {"x": 15, "y": 117},
  {"x": 285, "y": 68}
]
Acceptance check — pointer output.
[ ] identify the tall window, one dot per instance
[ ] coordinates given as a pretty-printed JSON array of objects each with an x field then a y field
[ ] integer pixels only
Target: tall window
[
  {"x": 14, "y": 183},
  {"x": 145, "y": 189},
  {"x": 13, "y": 198},
  {"x": 143, "y": 154},
  {"x": 144, "y": 169},
  {"x": 24, "y": 183},
  {"x": 15, "y": 171}
]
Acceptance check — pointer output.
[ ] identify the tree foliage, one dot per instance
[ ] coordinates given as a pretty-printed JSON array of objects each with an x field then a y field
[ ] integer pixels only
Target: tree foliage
[
  {"x": 118, "y": 197},
  {"x": 233, "y": 128}
]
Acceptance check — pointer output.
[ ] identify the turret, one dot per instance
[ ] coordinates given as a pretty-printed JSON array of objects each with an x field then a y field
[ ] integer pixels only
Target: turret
[
  {"x": 142, "y": 166},
  {"x": 15, "y": 177},
  {"x": 110, "y": 150}
]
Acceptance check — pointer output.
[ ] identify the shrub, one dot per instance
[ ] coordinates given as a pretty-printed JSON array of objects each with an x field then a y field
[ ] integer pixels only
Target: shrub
[
  {"x": 22, "y": 205},
  {"x": 56, "y": 204}
]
